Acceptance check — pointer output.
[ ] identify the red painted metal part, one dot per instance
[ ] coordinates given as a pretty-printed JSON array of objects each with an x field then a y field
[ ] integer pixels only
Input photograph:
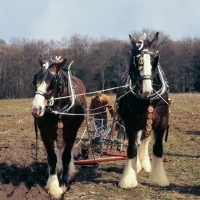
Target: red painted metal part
[
  {"x": 98, "y": 160},
  {"x": 41, "y": 162},
  {"x": 114, "y": 154},
  {"x": 90, "y": 161},
  {"x": 124, "y": 155},
  {"x": 164, "y": 159},
  {"x": 95, "y": 161}
]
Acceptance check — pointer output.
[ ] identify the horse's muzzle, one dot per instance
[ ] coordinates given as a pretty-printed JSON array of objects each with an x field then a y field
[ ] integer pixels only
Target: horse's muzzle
[
  {"x": 37, "y": 111},
  {"x": 144, "y": 94}
]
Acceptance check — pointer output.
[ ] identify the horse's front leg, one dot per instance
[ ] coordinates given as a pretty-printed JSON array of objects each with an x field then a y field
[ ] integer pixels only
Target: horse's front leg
[
  {"x": 129, "y": 176},
  {"x": 143, "y": 153},
  {"x": 52, "y": 184},
  {"x": 157, "y": 175}
]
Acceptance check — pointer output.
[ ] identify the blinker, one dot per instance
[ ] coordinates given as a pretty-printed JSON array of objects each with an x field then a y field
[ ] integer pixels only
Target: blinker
[
  {"x": 53, "y": 82},
  {"x": 35, "y": 80}
]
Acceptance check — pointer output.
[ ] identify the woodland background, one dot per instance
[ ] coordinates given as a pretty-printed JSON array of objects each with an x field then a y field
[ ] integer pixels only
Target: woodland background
[{"x": 97, "y": 62}]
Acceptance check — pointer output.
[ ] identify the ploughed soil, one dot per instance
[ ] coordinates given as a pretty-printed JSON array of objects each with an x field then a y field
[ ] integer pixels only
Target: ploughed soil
[{"x": 22, "y": 179}]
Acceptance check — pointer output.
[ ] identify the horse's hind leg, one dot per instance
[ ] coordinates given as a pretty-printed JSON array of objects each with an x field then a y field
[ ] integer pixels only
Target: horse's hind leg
[
  {"x": 52, "y": 183},
  {"x": 157, "y": 175},
  {"x": 68, "y": 171},
  {"x": 143, "y": 154}
]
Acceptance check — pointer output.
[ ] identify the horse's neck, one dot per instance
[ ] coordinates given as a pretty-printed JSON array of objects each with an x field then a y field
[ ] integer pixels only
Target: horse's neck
[{"x": 64, "y": 77}]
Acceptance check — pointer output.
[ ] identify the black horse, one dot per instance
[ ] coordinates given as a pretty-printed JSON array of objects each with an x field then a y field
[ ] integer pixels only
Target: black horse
[
  {"x": 58, "y": 119},
  {"x": 144, "y": 106}
]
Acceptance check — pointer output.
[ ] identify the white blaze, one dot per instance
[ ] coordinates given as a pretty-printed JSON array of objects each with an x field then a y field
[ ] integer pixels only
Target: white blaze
[
  {"x": 38, "y": 104},
  {"x": 146, "y": 71}
]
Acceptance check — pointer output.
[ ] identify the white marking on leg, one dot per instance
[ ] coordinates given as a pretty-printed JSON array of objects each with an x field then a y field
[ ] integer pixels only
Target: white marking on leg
[
  {"x": 157, "y": 175},
  {"x": 53, "y": 186},
  {"x": 139, "y": 134},
  {"x": 139, "y": 166},
  {"x": 59, "y": 164},
  {"x": 143, "y": 154},
  {"x": 129, "y": 177},
  {"x": 72, "y": 169},
  {"x": 138, "y": 142}
]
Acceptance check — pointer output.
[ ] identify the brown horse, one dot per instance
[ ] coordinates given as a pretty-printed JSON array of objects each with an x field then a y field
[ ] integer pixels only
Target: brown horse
[
  {"x": 143, "y": 106},
  {"x": 58, "y": 119}
]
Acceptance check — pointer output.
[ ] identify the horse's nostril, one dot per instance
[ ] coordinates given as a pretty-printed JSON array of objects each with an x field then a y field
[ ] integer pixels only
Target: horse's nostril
[
  {"x": 34, "y": 114},
  {"x": 40, "y": 108}
]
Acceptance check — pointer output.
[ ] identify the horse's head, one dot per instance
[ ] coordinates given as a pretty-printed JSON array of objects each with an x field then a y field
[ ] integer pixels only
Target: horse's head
[
  {"x": 144, "y": 61},
  {"x": 47, "y": 83}
]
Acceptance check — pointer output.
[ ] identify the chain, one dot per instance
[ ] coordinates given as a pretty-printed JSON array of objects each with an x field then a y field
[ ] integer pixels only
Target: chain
[{"x": 36, "y": 135}]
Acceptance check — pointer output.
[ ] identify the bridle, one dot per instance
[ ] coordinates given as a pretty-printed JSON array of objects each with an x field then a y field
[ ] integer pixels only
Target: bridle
[
  {"x": 140, "y": 60},
  {"x": 157, "y": 72},
  {"x": 55, "y": 82}
]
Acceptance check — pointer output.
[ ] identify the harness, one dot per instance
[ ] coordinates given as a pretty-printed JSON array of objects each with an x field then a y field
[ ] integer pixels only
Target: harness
[
  {"x": 56, "y": 82},
  {"x": 158, "y": 71},
  {"x": 156, "y": 94},
  {"x": 132, "y": 87}
]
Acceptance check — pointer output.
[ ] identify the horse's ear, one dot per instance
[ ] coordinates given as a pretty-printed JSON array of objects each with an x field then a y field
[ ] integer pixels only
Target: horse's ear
[
  {"x": 41, "y": 61},
  {"x": 61, "y": 63},
  {"x": 153, "y": 42},
  {"x": 132, "y": 40},
  {"x": 64, "y": 61}
]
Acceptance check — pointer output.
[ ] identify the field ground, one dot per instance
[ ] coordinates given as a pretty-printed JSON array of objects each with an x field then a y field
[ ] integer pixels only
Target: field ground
[{"x": 21, "y": 178}]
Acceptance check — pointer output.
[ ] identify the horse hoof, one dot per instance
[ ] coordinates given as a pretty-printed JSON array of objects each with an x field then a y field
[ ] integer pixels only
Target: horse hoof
[
  {"x": 146, "y": 166},
  {"x": 128, "y": 184},
  {"x": 55, "y": 192},
  {"x": 64, "y": 188},
  {"x": 161, "y": 184},
  {"x": 53, "y": 187}
]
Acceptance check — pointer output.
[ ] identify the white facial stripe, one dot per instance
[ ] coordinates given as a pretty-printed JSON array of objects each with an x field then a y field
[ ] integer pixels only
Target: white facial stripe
[
  {"x": 147, "y": 65},
  {"x": 38, "y": 101},
  {"x": 147, "y": 84}
]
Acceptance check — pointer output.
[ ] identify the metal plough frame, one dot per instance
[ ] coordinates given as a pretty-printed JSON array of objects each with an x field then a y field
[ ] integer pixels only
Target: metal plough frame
[{"x": 101, "y": 137}]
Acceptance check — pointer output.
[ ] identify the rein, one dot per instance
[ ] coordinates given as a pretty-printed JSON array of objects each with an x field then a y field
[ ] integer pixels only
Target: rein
[
  {"x": 57, "y": 112},
  {"x": 36, "y": 135}
]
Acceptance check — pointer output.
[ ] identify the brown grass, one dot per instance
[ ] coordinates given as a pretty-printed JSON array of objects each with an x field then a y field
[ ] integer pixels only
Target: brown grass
[{"x": 182, "y": 150}]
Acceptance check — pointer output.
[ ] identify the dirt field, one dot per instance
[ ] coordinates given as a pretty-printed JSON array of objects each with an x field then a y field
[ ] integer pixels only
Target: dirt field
[{"x": 22, "y": 179}]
